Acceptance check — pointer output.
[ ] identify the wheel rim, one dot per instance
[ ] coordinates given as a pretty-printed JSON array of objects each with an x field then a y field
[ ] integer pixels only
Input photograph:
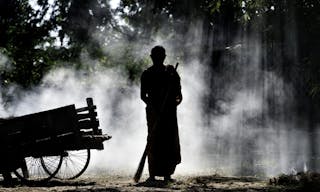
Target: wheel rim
[
  {"x": 34, "y": 170},
  {"x": 74, "y": 163}
]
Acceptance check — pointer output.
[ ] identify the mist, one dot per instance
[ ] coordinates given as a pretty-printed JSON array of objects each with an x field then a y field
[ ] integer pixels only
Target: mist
[{"x": 236, "y": 119}]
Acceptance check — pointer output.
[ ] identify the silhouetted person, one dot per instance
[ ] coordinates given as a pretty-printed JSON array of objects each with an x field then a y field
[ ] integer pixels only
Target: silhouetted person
[{"x": 161, "y": 91}]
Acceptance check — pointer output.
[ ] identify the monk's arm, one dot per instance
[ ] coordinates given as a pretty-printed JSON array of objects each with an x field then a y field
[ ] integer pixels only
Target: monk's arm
[
  {"x": 143, "y": 89},
  {"x": 179, "y": 94}
]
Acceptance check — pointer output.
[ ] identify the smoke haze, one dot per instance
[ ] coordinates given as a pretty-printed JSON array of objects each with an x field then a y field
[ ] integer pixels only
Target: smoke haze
[{"x": 242, "y": 136}]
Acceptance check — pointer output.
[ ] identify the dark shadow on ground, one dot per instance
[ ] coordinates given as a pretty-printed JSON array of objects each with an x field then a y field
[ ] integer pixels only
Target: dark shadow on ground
[
  {"x": 59, "y": 183},
  {"x": 220, "y": 179},
  {"x": 235, "y": 184},
  {"x": 13, "y": 183},
  {"x": 93, "y": 190},
  {"x": 51, "y": 183},
  {"x": 156, "y": 184},
  {"x": 202, "y": 183}
]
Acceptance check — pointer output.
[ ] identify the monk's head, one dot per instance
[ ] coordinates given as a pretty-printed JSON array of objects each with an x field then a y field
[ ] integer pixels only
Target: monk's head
[{"x": 158, "y": 54}]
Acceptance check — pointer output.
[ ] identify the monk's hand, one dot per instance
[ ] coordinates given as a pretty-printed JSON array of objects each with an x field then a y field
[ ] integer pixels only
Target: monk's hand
[{"x": 178, "y": 99}]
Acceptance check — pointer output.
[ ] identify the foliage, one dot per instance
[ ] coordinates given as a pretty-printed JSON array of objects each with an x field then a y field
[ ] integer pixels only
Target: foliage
[
  {"x": 37, "y": 38},
  {"x": 30, "y": 35}
]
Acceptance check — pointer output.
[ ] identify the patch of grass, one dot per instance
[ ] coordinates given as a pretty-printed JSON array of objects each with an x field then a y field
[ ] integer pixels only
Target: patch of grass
[{"x": 308, "y": 181}]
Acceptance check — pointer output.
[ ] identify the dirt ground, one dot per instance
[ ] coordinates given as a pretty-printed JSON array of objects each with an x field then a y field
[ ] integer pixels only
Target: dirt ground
[{"x": 119, "y": 183}]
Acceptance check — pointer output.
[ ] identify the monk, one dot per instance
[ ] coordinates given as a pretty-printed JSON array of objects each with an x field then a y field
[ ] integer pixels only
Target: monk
[{"x": 161, "y": 91}]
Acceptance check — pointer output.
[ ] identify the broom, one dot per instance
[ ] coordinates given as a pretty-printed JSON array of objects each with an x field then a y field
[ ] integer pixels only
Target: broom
[{"x": 138, "y": 174}]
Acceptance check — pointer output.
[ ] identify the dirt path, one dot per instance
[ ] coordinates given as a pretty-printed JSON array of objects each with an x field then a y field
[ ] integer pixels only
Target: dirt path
[{"x": 115, "y": 183}]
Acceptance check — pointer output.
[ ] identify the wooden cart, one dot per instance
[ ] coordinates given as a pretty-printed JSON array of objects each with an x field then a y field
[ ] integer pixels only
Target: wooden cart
[{"x": 53, "y": 143}]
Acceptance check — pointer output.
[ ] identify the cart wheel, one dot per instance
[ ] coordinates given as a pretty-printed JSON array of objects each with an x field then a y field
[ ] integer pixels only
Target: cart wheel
[
  {"x": 74, "y": 163},
  {"x": 33, "y": 171}
]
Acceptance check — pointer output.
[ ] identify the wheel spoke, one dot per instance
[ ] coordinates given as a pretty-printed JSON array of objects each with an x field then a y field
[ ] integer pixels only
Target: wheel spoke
[
  {"x": 73, "y": 164},
  {"x": 34, "y": 171}
]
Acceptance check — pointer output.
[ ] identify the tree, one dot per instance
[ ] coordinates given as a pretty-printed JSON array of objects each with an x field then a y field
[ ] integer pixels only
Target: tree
[{"x": 29, "y": 35}]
